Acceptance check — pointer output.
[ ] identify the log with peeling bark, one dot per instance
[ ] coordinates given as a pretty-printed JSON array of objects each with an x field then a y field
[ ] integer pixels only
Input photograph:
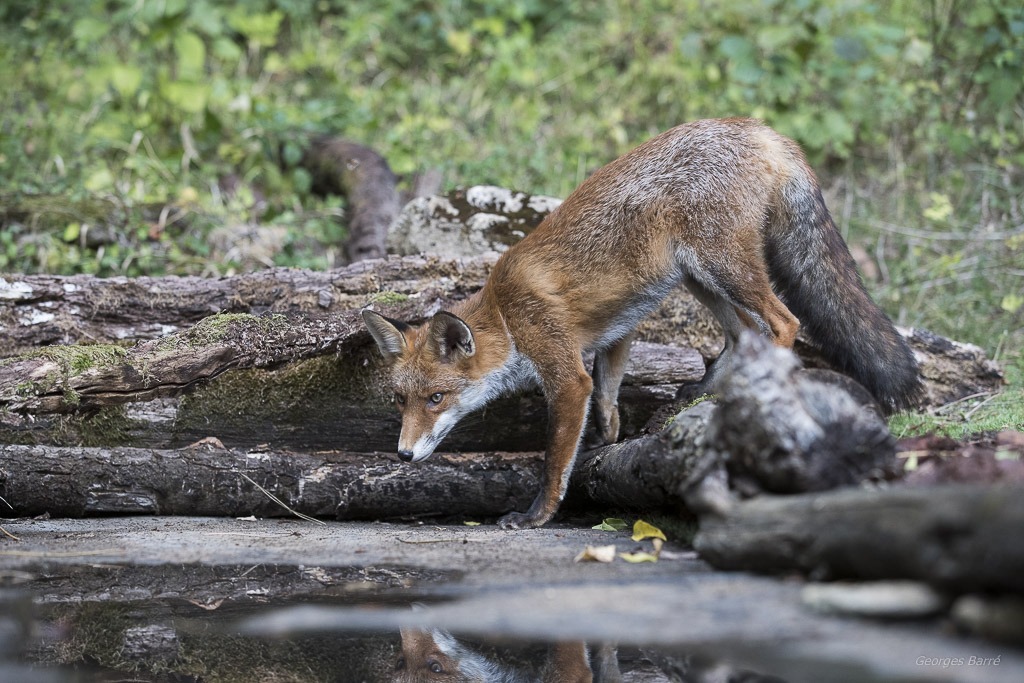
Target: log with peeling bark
[
  {"x": 206, "y": 480},
  {"x": 963, "y": 537},
  {"x": 44, "y": 309},
  {"x": 38, "y": 310},
  {"x": 338, "y": 400}
]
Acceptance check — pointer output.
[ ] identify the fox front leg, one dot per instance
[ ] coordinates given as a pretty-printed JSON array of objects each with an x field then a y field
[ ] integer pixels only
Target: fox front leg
[{"x": 568, "y": 399}]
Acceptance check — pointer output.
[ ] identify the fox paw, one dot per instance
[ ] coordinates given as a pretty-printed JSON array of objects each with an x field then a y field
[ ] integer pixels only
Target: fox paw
[
  {"x": 520, "y": 520},
  {"x": 691, "y": 391},
  {"x": 605, "y": 426},
  {"x": 609, "y": 425}
]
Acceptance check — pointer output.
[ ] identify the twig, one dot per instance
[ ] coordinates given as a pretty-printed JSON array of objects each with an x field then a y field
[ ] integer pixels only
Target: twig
[
  {"x": 944, "y": 406},
  {"x": 968, "y": 414},
  {"x": 45, "y": 554},
  {"x": 4, "y": 501},
  {"x": 239, "y": 533},
  {"x": 281, "y": 503},
  {"x": 8, "y": 533}
]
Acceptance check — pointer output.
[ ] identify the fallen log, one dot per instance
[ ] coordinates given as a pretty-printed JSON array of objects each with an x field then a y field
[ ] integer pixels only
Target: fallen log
[
  {"x": 38, "y": 310},
  {"x": 77, "y": 482},
  {"x": 775, "y": 428},
  {"x": 667, "y": 470},
  {"x": 336, "y": 401},
  {"x": 69, "y": 378},
  {"x": 362, "y": 175},
  {"x": 962, "y": 537}
]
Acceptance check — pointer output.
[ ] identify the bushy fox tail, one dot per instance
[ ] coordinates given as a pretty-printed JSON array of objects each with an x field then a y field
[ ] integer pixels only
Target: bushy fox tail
[{"x": 817, "y": 279}]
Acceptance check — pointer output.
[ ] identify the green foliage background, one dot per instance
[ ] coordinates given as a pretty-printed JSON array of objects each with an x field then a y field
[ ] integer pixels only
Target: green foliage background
[{"x": 910, "y": 110}]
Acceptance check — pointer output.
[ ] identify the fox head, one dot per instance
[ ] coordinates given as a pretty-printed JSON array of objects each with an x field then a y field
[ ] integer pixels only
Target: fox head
[
  {"x": 435, "y": 655},
  {"x": 437, "y": 377}
]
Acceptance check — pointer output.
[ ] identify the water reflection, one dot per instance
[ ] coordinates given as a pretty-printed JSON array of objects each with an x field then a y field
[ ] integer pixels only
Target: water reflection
[{"x": 171, "y": 641}]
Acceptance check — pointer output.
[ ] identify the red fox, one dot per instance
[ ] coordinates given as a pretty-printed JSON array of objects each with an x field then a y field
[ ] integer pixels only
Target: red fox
[
  {"x": 728, "y": 207},
  {"x": 436, "y": 656}
]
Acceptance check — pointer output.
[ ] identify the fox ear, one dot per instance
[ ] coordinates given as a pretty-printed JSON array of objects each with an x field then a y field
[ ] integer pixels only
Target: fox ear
[
  {"x": 389, "y": 334},
  {"x": 451, "y": 336}
]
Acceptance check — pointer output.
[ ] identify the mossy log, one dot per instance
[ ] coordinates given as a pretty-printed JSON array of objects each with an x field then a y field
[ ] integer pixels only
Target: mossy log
[
  {"x": 338, "y": 400},
  {"x": 69, "y": 378},
  {"x": 961, "y": 537},
  {"x": 38, "y": 310}
]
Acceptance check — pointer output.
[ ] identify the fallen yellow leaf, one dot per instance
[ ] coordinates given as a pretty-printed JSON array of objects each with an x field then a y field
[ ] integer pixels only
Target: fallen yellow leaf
[
  {"x": 596, "y": 553},
  {"x": 638, "y": 557},
  {"x": 642, "y": 530}
]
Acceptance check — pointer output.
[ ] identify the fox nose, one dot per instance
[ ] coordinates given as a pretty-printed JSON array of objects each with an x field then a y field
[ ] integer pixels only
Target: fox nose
[{"x": 405, "y": 455}]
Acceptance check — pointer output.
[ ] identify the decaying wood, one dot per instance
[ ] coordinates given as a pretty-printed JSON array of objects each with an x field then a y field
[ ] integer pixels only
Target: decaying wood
[
  {"x": 69, "y": 378},
  {"x": 775, "y": 428},
  {"x": 666, "y": 470},
  {"x": 76, "y": 482},
  {"x": 364, "y": 177},
  {"x": 37, "y": 310},
  {"x": 962, "y": 537},
  {"x": 339, "y": 400},
  {"x": 44, "y": 309}
]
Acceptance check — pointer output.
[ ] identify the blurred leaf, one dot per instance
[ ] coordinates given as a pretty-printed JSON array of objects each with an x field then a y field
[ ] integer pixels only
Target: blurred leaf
[
  {"x": 189, "y": 96},
  {"x": 260, "y": 29},
  {"x": 71, "y": 232},
  {"x": 638, "y": 557},
  {"x": 191, "y": 55},
  {"x": 611, "y": 524},
  {"x": 850, "y": 48},
  {"x": 598, "y": 553},
  {"x": 88, "y": 30},
  {"x": 1011, "y": 302},
  {"x": 941, "y": 207},
  {"x": 642, "y": 530},
  {"x": 460, "y": 41}
]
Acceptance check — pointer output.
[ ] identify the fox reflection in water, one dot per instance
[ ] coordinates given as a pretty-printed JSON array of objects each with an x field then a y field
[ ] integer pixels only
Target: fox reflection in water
[{"x": 436, "y": 655}]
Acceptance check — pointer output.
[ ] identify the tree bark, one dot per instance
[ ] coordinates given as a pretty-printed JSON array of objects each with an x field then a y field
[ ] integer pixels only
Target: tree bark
[
  {"x": 38, "y": 310},
  {"x": 961, "y": 537},
  {"x": 44, "y": 309},
  {"x": 76, "y": 482},
  {"x": 340, "y": 400},
  {"x": 364, "y": 177}
]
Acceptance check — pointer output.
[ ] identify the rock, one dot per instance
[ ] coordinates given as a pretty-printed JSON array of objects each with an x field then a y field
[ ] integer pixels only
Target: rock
[
  {"x": 468, "y": 222},
  {"x": 998, "y": 618},
  {"x": 878, "y": 599}
]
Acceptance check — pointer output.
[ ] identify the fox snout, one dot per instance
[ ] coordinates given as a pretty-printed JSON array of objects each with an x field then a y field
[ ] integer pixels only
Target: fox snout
[{"x": 405, "y": 456}]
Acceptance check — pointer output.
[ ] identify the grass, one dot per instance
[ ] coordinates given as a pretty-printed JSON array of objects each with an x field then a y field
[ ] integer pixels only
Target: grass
[{"x": 991, "y": 412}]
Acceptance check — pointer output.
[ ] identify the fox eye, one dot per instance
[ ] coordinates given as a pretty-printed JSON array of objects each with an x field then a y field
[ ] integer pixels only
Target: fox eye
[
  {"x": 400, "y": 664},
  {"x": 399, "y": 399},
  {"x": 435, "y": 399},
  {"x": 435, "y": 666}
]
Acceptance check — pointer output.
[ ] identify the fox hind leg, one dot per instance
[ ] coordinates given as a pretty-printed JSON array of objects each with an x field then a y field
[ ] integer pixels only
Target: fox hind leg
[
  {"x": 609, "y": 366},
  {"x": 740, "y": 303}
]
